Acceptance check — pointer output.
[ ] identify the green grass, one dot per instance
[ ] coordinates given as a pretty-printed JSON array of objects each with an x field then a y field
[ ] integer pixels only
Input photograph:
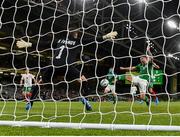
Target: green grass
[{"x": 105, "y": 112}]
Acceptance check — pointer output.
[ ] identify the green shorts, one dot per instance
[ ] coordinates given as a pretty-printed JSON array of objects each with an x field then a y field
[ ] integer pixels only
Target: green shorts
[{"x": 27, "y": 89}]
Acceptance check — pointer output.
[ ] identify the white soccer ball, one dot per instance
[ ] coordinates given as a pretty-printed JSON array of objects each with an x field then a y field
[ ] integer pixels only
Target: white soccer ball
[{"x": 104, "y": 82}]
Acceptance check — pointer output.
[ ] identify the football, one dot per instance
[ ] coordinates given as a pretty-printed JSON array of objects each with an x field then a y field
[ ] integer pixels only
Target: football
[{"x": 104, "y": 82}]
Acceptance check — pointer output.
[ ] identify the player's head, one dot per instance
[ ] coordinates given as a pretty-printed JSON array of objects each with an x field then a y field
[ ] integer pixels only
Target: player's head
[
  {"x": 143, "y": 60},
  {"x": 74, "y": 32}
]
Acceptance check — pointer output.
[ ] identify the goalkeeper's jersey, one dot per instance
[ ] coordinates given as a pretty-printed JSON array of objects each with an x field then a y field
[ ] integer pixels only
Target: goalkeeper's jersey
[
  {"x": 145, "y": 71},
  {"x": 67, "y": 51}
]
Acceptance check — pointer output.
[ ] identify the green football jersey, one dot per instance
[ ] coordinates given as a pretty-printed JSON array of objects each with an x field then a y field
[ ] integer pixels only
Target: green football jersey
[
  {"x": 145, "y": 71},
  {"x": 111, "y": 76}
]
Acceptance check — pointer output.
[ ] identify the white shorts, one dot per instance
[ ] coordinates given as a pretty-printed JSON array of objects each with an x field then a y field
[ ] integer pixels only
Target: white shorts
[
  {"x": 111, "y": 88},
  {"x": 141, "y": 83},
  {"x": 133, "y": 90}
]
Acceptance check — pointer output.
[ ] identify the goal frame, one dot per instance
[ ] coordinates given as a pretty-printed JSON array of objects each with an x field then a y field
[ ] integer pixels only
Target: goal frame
[{"x": 90, "y": 126}]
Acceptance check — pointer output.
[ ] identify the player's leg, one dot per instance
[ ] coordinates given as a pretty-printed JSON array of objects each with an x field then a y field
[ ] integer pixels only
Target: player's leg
[
  {"x": 27, "y": 95},
  {"x": 153, "y": 94},
  {"x": 115, "y": 97},
  {"x": 111, "y": 88},
  {"x": 133, "y": 90},
  {"x": 142, "y": 84},
  {"x": 85, "y": 92},
  {"x": 47, "y": 74},
  {"x": 74, "y": 73},
  {"x": 143, "y": 89},
  {"x": 35, "y": 91}
]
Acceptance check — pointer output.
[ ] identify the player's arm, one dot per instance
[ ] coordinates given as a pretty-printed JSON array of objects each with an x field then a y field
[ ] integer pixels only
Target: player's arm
[
  {"x": 40, "y": 80},
  {"x": 150, "y": 58},
  {"x": 108, "y": 36},
  {"x": 133, "y": 68},
  {"x": 149, "y": 54},
  {"x": 111, "y": 35},
  {"x": 27, "y": 44},
  {"x": 34, "y": 80},
  {"x": 23, "y": 44},
  {"x": 21, "y": 81},
  {"x": 155, "y": 65}
]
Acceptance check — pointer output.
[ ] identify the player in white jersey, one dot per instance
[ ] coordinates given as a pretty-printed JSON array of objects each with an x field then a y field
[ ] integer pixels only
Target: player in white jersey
[{"x": 27, "y": 82}]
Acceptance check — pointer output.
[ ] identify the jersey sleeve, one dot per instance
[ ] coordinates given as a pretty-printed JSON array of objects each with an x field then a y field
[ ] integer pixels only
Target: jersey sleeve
[
  {"x": 138, "y": 67},
  {"x": 22, "y": 76},
  {"x": 91, "y": 39},
  {"x": 32, "y": 76}
]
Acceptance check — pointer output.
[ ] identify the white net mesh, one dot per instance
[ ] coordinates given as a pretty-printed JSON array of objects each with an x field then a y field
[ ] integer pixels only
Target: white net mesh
[{"x": 49, "y": 48}]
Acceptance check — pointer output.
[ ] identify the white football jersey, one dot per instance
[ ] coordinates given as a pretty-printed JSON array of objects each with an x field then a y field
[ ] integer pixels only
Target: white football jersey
[{"x": 27, "y": 78}]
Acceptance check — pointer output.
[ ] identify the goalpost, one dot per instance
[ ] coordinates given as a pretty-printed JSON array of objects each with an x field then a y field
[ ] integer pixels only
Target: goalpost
[{"x": 39, "y": 23}]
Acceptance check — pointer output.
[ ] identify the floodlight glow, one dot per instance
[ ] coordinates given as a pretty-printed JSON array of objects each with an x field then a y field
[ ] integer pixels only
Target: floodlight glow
[
  {"x": 172, "y": 24},
  {"x": 170, "y": 55},
  {"x": 142, "y": 1},
  {"x": 12, "y": 73}
]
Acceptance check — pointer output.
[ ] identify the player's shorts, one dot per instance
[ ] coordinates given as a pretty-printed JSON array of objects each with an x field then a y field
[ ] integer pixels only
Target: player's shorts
[
  {"x": 133, "y": 90},
  {"x": 141, "y": 83},
  {"x": 69, "y": 73},
  {"x": 27, "y": 89},
  {"x": 112, "y": 88}
]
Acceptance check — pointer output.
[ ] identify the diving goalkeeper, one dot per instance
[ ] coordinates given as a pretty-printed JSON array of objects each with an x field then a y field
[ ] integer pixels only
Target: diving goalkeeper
[{"x": 65, "y": 56}]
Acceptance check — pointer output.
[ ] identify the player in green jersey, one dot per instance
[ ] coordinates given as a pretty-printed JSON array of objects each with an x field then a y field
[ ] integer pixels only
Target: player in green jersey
[
  {"x": 109, "y": 84},
  {"x": 145, "y": 69}
]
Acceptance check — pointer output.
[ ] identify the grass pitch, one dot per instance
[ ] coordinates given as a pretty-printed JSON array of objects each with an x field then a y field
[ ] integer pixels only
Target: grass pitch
[{"x": 105, "y": 112}]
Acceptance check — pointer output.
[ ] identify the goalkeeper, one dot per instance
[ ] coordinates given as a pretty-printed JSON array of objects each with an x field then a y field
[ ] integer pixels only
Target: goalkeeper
[{"x": 65, "y": 56}]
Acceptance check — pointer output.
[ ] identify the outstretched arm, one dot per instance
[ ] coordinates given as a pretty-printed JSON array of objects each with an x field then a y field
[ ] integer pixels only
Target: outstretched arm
[
  {"x": 155, "y": 65},
  {"x": 23, "y": 44},
  {"x": 108, "y": 36},
  {"x": 27, "y": 44},
  {"x": 21, "y": 81},
  {"x": 148, "y": 52},
  {"x": 128, "y": 68},
  {"x": 35, "y": 82},
  {"x": 150, "y": 57}
]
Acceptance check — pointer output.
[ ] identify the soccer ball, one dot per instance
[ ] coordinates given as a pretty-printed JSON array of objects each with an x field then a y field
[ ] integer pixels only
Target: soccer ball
[{"x": 104, "y": 82}]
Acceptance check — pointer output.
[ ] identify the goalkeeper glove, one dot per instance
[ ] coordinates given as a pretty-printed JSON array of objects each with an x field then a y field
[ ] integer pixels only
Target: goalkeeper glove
[
  {"x": 23, "y": 44},
  {"x": 110, "y": 35}
]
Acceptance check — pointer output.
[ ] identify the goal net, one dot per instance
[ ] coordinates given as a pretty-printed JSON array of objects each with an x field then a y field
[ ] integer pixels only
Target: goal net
[{"x": 99, "y": 64}]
